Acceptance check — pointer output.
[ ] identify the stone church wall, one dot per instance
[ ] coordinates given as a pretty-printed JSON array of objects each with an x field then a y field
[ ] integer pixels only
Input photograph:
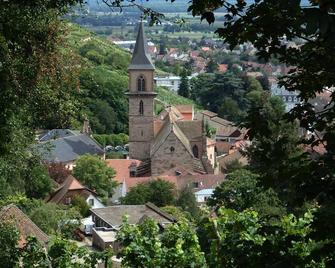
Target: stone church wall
[{"x": 171, "y": 153}]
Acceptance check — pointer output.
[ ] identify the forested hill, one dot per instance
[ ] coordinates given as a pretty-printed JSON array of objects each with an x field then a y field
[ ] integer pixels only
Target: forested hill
[{"x": 103, "y": 81}]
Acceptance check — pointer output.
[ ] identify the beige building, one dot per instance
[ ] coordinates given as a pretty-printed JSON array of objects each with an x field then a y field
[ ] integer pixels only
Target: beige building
[{"x": 172, "y": 138}]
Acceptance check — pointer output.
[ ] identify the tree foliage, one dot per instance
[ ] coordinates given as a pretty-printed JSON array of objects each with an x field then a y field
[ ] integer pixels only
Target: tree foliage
[
  {"x": 159, "y": 192},
  {"x": 242, "y": 190},
  {"x": 95, "y": 174},
  {"x": 186, "y": 200},
  {"x": 144, "y": 246},
  {"x": 56, "y": 219},
  {"x": 226, "y": 94},
  {"x": 183, "y": 89},
  {"x": 240, "y": 239},
  {"x": 9, "y": 236}
]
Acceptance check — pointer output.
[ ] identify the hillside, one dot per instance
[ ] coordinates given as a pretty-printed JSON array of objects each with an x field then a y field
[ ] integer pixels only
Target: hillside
[{"x": 104, "y": 79}]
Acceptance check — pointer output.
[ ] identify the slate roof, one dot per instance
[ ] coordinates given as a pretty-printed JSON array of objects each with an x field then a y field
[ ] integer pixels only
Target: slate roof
[
  {"x": 25, "y": 226},
  {"x": 70, "y": 184},
  {"x": 56, "y": 134},
  {"x": 113, "y": 215},
  {"x": 68, "y": 149},
  {"x": 141, "y": 59}
]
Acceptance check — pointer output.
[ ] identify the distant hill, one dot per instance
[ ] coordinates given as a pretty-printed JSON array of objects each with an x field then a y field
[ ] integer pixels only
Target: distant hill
[{"x": 104, "y": 79}]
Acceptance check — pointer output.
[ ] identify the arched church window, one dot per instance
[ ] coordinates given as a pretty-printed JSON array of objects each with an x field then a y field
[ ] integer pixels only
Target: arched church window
[
  {"x": 141, "y": 109},
  {"x": 141, "y": 83},
  {"x": 195, "y": 151}
]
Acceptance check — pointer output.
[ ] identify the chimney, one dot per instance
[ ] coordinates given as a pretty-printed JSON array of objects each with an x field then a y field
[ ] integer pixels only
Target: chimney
[{"x": 86, "y": 127}]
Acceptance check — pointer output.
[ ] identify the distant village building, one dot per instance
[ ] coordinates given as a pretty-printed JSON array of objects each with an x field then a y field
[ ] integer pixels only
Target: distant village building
[
  {"x": 170, "y": 82},
  {"x": 290, "y": 98}
]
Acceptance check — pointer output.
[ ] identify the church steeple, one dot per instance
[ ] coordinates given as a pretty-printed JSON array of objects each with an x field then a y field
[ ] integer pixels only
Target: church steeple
[
  {"x": 141, "y": 59},
  {"x": 141, "y": 97}
]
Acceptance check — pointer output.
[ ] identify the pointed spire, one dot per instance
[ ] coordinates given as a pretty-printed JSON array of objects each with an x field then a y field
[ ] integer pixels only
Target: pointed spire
[{"x": 141, "y": 59}]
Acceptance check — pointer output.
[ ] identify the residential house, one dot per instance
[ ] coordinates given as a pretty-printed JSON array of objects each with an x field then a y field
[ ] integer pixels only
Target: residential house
[
  {"x": 108, "y": 220},
  {"x": 70, "y": 188},
  {"x": 66, "y": 146}
]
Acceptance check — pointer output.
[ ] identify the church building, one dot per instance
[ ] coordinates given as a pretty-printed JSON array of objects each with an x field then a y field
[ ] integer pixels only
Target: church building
[{"x": 170, "y": 140}]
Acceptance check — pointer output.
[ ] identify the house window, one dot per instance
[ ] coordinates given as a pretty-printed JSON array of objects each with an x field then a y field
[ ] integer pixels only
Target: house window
[
  {"x": 196, "y": 184},
  {"x": 171, "y": 149},
  {"x": 195, "y": 151},
  {"x": 141, "y": 108},
  {"x": 68, "y": 200},
  {"x": 91, "y": 202},
  {"x": 141, "y": 83}
]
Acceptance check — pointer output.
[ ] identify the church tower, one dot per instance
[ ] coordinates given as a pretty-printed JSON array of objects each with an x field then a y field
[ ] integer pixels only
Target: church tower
[{"x": 141, "y": 99}]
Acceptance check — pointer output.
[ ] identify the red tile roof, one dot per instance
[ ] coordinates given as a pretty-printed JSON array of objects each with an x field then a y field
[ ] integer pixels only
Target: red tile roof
[
  {"x": 186, "y": 111},
  {"x": 70, "y": 184},
  {"x": 121, "y": 167},
  {"x": 25, "y": 226},
  {"x": 223, "y": 68}
]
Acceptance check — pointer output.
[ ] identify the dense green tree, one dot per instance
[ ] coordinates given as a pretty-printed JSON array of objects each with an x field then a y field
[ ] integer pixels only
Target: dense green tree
[
  {"x": 39, "y": 183},
  {"x": 38, "y": 81},
  {"x": 144, "y": 246},
  {"x": 230, "y": 110},
  {"x": 253, "y": 84},
  {"x": 80, "y": 204},
  {"x": 95, "y": 174},
  {"x": 242, "y": 190},
  {"x": 34, "y": 255},
  {"x": 159, "y": 192},
  {"x": 178, "y": 213},
  {"x": 183, "y": 89},
  {"x": 9, "y": 236},
  {"x": 162, "y": 47},
  {"x": 211, "y": 66},
  {"x": 186, "y": 200},
  {"x": 56, "y": 219},
  {"x": 275, "y": 140},
  {"x": 242, "y": 239}
]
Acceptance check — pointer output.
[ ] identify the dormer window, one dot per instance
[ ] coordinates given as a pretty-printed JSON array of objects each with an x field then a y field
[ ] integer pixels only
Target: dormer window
[
  {"x": 141, "y": 108},
  {"x": 141, "y": 83}
]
